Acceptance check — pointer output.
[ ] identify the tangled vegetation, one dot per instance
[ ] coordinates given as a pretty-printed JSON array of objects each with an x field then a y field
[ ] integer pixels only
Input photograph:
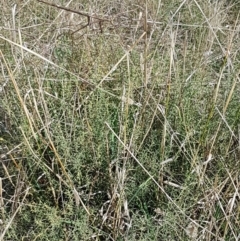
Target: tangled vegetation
[{"x": 119, "y": 120}]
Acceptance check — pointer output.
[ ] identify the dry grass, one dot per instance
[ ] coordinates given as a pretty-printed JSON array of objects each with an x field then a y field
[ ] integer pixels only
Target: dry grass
[{"x": 119, "y": 120}]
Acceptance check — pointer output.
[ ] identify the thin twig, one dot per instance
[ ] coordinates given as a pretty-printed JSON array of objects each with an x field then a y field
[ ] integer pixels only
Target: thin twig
[{"x": 74, "y": 11}]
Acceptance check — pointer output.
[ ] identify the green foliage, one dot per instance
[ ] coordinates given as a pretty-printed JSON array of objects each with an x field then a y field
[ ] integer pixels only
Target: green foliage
[{"x": 123, "y": 137}]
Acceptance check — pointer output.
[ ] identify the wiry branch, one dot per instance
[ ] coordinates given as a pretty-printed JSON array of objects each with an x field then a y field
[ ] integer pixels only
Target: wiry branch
[{"x": 77, "y": 12}]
